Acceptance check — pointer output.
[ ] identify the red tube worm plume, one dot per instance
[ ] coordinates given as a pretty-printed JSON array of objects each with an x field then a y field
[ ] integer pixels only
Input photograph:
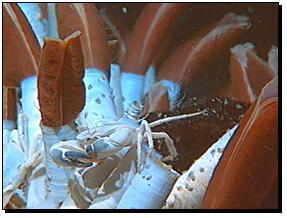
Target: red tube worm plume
[
  {"x": 247, "y": 174},
  {"x": 85, "y": 18},
  {"x": 9, "y": 104},
  {"x": 61, "y": 90},
  {"x": 157, "y": 99},
  {"x": 193, "y": 58},
  {"x": 20, "y": 46},
  {"x": 145, "y": 40},
  {"x": 118, "y": 30},
  {"x": 248, "y": 74}
]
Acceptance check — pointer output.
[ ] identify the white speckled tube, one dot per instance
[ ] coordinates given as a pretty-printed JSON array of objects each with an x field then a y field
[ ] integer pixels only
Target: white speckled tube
[
  {"x": 58, "y": 177},
  {"x": 150, "y": 78},
  {"x": 33, "y": 14},
  {"x": 132, "y": 88},
  {"x": 30, "y": 108},
  {"x": 99, "y": 101},
  {"x": 150, "y": 188},
  {"x": 173, "y": 92},
  {"x": 189, "y": 189}
]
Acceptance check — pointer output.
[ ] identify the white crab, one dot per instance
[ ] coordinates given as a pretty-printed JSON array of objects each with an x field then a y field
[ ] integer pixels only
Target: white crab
[{"x": 108, "y": 138}]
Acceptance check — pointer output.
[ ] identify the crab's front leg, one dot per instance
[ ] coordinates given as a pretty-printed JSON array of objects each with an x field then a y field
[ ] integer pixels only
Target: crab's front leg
[
  {"x": 169, "y": 143},
  {"x": 70, "y": 154},
  {"x": 108, "y": 146},
  {"x": 144, "y": 131}
]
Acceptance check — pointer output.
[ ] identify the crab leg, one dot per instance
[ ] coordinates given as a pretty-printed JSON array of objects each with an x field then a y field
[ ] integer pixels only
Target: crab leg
[
  {"x": 170, "y": 119},
  {"x": 169, "y": 143}
]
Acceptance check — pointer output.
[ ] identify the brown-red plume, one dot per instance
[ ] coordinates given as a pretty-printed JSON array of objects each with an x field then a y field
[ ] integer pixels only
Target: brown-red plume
[
  {"x": 61, "y": 90},
  {"x": 248, "y": 74},
  {"x": 85, "y": 18},
  {"x": 21, "y": 50},
  {"x": 146, "y": 38},
  {"x": 202, "y": 53},
  {"x": 247, "y": 174}
]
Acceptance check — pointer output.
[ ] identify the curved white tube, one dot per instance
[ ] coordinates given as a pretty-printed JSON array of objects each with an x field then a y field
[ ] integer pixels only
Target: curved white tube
[
  {"x": 189, "y": 189},
  {"x": 30, "y": 109}
]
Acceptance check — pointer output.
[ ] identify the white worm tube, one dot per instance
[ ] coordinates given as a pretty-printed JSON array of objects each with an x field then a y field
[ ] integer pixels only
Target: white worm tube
[
  {"x": 13, "y": 155},
  {"x": 132, "y": 88},
  {"x": 99, "y": 102},
  {"x": 150, "y": 188},
  {"x": 115, "y": 83},
  {"x": 30, "y": 109},
  {"x": 150, "y": 78},
  {"x": 173, "y": 92},
  {"x": 57, "y": 177},
  {"x": 34, "y": 15},
  {"x": 189, "y": 189}
]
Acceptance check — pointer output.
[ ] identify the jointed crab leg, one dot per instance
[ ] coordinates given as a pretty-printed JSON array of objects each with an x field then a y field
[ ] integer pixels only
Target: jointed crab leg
[
  {"x": 169, "y": 143},
  {"x": 169, "y": 119}
]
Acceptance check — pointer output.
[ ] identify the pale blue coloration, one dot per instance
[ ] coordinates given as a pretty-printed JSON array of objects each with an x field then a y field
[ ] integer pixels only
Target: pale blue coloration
[
  {"x": 52, "y": 21},
  {"x": 32, "y": 12},
  {"x": 149, "y": 189},
  {"x": 132, "y": 88},
  {"x": 173, "y": 92},
  {"x": 150, "y": 78},
  {"x": 30, "y": 108},
  {"x": 13, "y": 157},
  {"x": 58, "y": 177},
  {"x": 99, "y": 100},
  {"x": 115, "y": 83}
]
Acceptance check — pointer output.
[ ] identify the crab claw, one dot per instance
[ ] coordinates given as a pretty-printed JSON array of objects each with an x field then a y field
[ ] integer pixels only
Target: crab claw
[{"x": 66, "y": 155}]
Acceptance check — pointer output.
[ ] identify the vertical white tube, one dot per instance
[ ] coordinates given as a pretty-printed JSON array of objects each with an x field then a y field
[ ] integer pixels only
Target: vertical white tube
[
  {"x": 115, "y": 83},
  {"x": 150, "y": 78},
  {"x": 99, "y": 100},
  {"x": 34, "y": 15},
  {"x": 132, "y": 88},
  {"x": 30, "y": 109}
]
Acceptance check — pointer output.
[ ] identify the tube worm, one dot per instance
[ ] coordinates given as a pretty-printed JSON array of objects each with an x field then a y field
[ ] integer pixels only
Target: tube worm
[
  {"x": 249, "y": 74},
  {"x": 248, "y": 171},
  {"x": 21, "y": 54},
  {"x": 19, "y": 45},
  {"x": 144, "y": 41},
  {"x": 61, "y": 97},
  {"x": 99, "y": 100},
  {"x": 190, "y": 60}
]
